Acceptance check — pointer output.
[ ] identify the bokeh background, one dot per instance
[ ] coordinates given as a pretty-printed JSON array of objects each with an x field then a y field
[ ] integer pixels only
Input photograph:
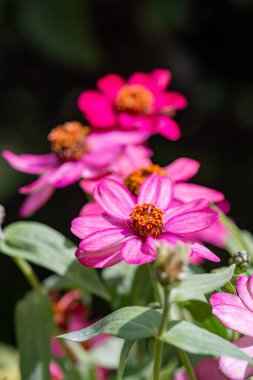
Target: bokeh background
[{"x": 51, "y": 50}]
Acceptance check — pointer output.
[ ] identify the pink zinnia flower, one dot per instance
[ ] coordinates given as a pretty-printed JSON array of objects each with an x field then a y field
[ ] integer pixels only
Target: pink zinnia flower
[
  {"x": 236, "y": 313},
  {"x": 129, "y": 227},
  {"x": 179, "y": 171},
  {"x": 140, "y": 103},
  {"x": 206, "y": 369},
  {"x": 76, "y": 153}
]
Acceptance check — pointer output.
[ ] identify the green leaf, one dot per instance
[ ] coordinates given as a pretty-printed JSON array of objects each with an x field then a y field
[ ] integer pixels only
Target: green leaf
[
  {"x": 141, "y": 295},
  {"x": 60, "y": 29},
  {"x": 196, "y": 340},
  {"x": 197, "y": 285},
  {"x": 202, "y": 314},
  {"x": 44, "y": 246},
  {"x": 127, "y": 323},
  {"x": 106, "y": 354},
  {"x": 34, "y": 327},
  {"x": 123, "y": 357}
]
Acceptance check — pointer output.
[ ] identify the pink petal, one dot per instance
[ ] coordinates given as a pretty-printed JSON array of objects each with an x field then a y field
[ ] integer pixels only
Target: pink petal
[
  {"x": 157, "y": 190},
  {"x": 208, "y": 369},
  {"x": 226, "y": 299},
  {"x": 100, "y": 159},
  {"x": 133, "y": 252},
  {"x": 186, "y": 192},
  {"x": 100, "y": 240},
  {"x": 250, "y": 285},
  {"x": 84, "y": 226},
  {"x": 144, "y": 79},
  {"x": 160, "y": 79},
  {"x": 191, "y": 221},
  {"x": 55, "y": 371},
  {"x": 235, "y": 318},
  {"x": 114, "y": 198},
  {"x": 171, "y": 100},
  {"x": 36, "y": 200},
  {"x": 97, "y": 109},
  {"x": 143, "y": 123},
  {"x": 196, "y": 205},
  {"x": 91, "y": 208},
  {"x": 236, "y": 369},
  {"x": 99, "y": 259},
  {"x": 244, "y": 293},
  {"x": 99, "y": 141},
  {"x": 182, "y": 169},
  {"x": 205, "y": 253},
  {"x": 29, "y": 163},
  {"x": 167, "y": 127},
  {"x": 215, "y": 235},
  {"x": 110, "y": 85},
  {"x": 66, "y": 174},
  {"x": 36, "y": 185},
  {"x": 133, "y": 157}
]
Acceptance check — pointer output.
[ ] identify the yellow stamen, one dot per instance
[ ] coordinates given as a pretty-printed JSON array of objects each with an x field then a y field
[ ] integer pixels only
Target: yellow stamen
[
  {"x": 134, "y": 99},
  {"x": 147, "y": 220}
]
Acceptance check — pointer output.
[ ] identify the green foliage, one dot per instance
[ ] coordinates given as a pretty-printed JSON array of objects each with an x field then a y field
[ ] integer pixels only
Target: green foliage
[
  {"x": 34, "y": 327},
  {"x": 128, "y": 323},
  {"x": 194, "y": 339},
  {"x": 194, "y": 287},
  {"x": 44, "y": 246}
]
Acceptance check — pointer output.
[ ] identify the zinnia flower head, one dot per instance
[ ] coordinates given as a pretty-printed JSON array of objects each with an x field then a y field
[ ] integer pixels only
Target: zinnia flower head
[
  {"x": 236, "y": 313},
  {"x": 139, "y": 103},
  {"x": 129, "y": 227},
  {"x": 76, "y": 153}
]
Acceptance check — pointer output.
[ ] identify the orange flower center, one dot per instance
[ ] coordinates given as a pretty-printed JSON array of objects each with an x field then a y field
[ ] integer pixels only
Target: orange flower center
[
  {"x": 147, "y": 220},
  {"x": 134, "y": 99},
  {"x": 68, "y": 141},
  {"x": 135, "y": 179}
]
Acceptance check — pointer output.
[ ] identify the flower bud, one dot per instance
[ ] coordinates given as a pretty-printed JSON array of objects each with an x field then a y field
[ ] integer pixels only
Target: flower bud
[
  {"x": 241, "y": 259},
  {"x": 171, "y": 263}
]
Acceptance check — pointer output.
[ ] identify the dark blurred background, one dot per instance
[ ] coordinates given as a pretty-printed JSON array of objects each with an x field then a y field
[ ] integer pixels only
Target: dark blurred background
[{"x": 51, "y": 50}]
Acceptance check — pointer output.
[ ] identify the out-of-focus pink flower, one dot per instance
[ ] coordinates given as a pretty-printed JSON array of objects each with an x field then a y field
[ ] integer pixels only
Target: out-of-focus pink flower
[
  {"x": 71, "y": 314},
  {"x": 206, "y": 369},
  {"x": 140, "y": 103},
  {"x": 236, "y": 313},
  {"x": 76, "y": 153},
  {"x": 56, "y": 372},
  {"x": 129, "y": 227}
]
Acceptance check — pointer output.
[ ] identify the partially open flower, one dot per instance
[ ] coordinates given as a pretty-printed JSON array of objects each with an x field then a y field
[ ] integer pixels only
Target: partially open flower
[
  {"x": 241, "y": 260},
  {"x": 140, "y": 103}
]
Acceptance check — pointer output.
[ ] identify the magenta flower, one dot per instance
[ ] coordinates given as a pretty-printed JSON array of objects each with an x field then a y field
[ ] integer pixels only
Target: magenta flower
[
  {"x": 76, "y": 153},
  {"x": 236, "y": 313},
  {"x": 205, "y": 369},
  {"x": 129, "y": 228},
  {"x": 56, "y": 372},
  {"x": 140, "y": 103}
]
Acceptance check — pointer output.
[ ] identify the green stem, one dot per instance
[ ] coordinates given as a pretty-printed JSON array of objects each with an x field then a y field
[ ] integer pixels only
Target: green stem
[
  {"x": 156, "y": 287},
  {"x": 29, "y": 274},
  {"x": 158, "y": 342},
  {"x": 187, "y": 364},
  {"x": 235, "y": 231}
]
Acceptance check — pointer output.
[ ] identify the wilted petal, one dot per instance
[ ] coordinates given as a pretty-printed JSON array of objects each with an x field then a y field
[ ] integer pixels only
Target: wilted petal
[
  {"x": 236, "y": 369},
  {"x": 133, "y": 252},
  {"x": 114, "y": 198},
  {"x": 157, "y": 190},
  {"x": 182, "y": 169}
]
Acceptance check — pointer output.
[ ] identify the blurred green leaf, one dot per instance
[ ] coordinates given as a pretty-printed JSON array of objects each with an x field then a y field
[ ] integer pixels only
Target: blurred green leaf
[
  {"x": 202, "y": 314},
  {"x": 197, "y": 285},
  {"x": 123, "y": 357},
  {"x": 196, "y": 340},
  {"x": 44, "y": 246},
  {"x": 127, "y": 323},
  {"x": 61, "y": 29},
  {"x": 232, "y": 245},
  {"x": 141, "y": 295},
  {"x": 106, "y": 354},
  {"x": 9, "y": 362},
  {"x": 34, "y": 327}
]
